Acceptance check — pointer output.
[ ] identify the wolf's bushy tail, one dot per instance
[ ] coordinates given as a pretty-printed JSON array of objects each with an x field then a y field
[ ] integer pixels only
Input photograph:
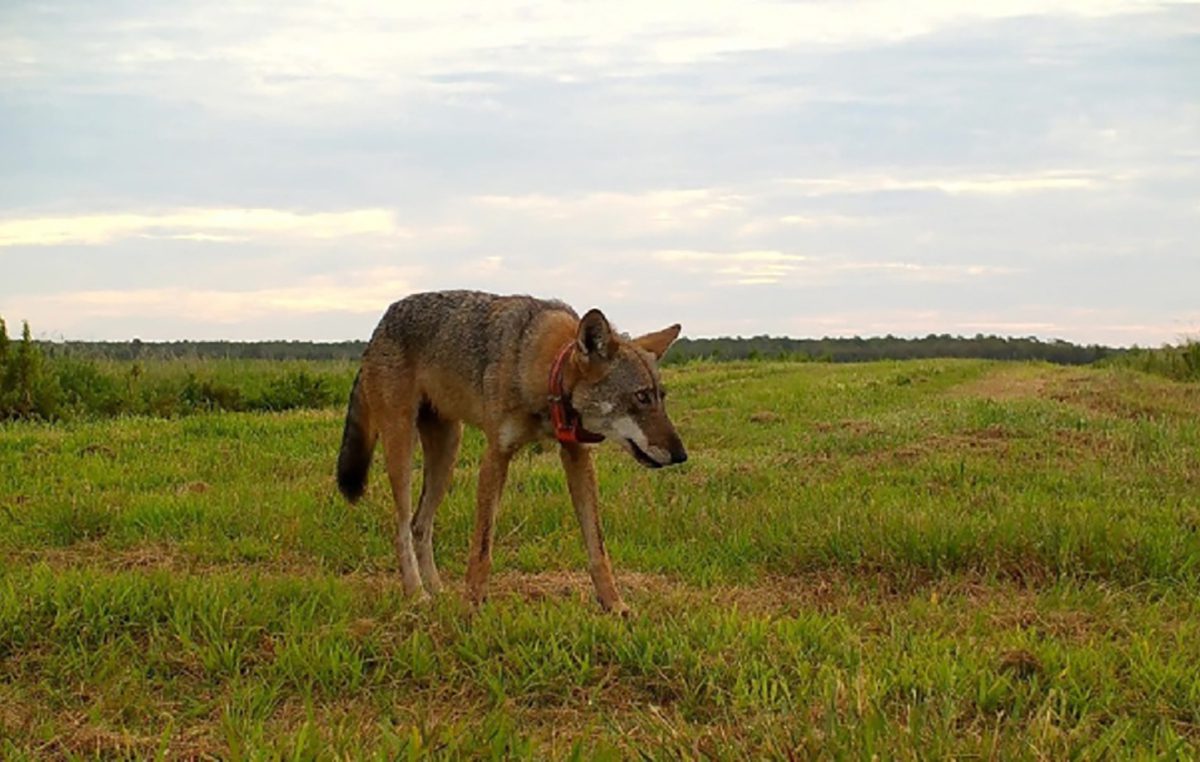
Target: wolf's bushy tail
[{"x": 358, "y": 442}]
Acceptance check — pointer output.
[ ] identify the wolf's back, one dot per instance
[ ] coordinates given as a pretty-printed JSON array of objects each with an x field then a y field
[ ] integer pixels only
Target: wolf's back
[{"x": 460, "y": 332}]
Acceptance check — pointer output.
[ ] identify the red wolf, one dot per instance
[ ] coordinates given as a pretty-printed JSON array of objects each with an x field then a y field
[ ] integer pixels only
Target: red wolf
[{"x": 520, "y": 369}]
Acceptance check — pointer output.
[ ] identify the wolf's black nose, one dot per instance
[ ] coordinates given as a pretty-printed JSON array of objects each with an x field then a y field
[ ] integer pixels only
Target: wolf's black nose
[
  {"x": 675, "y": 447},
  {"x": 678, "y": 454}
]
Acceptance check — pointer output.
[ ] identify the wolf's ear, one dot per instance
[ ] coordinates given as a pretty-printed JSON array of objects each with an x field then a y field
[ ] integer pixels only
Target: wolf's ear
[
  {"x": 595, "y": 339},
  {"x": 658, "y": 342}
]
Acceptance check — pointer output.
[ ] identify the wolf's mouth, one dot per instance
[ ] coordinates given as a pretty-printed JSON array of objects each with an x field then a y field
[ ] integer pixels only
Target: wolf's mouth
[{"x": 640, "y": 455}]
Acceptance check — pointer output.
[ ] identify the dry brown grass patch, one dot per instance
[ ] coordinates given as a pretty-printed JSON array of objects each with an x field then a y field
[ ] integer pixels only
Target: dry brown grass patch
[{"x": 1109, "y": 393}]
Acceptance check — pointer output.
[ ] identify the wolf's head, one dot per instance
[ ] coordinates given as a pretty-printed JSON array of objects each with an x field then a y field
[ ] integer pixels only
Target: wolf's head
[{"x": 619, "y": 393}]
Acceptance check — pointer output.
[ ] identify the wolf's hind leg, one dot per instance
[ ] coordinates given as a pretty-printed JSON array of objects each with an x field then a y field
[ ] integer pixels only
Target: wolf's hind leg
[
  {"x": 399, "y": 432},
  {"x": 439, "y": 443}
]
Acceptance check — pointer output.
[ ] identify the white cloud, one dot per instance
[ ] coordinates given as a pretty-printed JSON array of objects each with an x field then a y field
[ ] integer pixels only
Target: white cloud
[
  {"x": 593, "y": 217},
  {"x": 219, "y": 225},
  {"x": 767, "y": 224},
  {"x": 740, "y": 267},
  {"x": 720, "y": 212},
  {"x": 990, "y": 184},
  {"x": 656, "y": 208},
  {"x": 1010, "y": 327},
  {"x": 364, "y": 292},
  {"x": 813, "y": 221},
  {"x": 770, "y": 267}
]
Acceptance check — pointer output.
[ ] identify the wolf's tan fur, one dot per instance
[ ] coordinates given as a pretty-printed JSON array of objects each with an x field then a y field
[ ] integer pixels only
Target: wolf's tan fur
[{"x": 439, "y": 359}]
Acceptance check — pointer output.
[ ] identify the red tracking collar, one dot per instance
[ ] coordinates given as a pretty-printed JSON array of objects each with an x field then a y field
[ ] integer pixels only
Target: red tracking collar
[{"x": 568, "y": 426}]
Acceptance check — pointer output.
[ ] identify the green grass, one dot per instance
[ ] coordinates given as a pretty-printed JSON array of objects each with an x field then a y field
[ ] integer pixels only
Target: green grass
[{"x": 909, "y": 560}]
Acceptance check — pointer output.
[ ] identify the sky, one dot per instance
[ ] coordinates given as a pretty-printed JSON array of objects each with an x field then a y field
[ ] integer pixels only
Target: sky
[{"x": 261, "y": 170}]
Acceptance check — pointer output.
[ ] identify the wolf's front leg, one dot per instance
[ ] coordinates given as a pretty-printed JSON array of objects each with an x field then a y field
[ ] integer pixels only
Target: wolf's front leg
[
  {"x": 493, "y": 470},
  {"x": 581, "y": 480}
]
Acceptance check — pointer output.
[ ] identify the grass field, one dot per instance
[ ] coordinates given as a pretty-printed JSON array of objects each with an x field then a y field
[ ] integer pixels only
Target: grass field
[{"x": 908, "y": 560}]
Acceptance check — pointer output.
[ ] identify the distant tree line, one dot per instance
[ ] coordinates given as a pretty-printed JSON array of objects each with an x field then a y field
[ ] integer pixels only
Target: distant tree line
[
  {"x": 854, "y": 349},
  {"x": 205, "y": 350},
  {"x": 858, "y": 349}
]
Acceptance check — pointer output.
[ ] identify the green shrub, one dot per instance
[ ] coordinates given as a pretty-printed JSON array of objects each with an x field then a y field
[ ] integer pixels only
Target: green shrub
[
  {"x": 207, "y": 394},
  {"x": 87, "y": 390},
  {"x": 297, "y": 389}
]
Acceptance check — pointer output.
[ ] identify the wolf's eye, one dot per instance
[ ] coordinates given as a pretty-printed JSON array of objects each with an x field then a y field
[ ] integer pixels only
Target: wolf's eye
[{"x": 643, "y": 397}]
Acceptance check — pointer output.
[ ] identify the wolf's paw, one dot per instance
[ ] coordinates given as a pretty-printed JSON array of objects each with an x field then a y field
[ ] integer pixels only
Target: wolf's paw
[
  {"x": 617, "y": 608},
  {"x": 476, "y": 597}
]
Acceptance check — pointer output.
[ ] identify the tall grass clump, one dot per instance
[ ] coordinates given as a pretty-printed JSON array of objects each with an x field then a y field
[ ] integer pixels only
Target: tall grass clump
[
  {"x": 27, "y": 389},
  {"x": 1180, "y": 362}
]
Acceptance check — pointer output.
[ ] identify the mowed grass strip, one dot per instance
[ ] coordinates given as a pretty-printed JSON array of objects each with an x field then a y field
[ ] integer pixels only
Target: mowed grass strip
[{"x": 923, "y": 558}]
